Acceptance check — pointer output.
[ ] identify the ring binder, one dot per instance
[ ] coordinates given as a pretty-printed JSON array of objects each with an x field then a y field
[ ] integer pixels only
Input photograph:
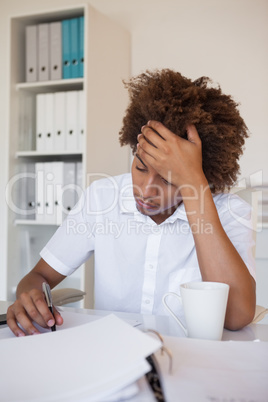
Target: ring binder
[
  {"x": 55, "y": 51},
  {"x": 153, "y": 376},
  {"x": 31, "y": 53},
  {"x": 43, "y": 52}
]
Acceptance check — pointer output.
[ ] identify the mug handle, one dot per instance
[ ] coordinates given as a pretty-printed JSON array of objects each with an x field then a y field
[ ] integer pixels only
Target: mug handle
[{"x": 171, "y": 312}]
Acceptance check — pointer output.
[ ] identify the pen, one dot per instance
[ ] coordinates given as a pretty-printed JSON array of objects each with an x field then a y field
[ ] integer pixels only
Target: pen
[{"x": 47, "y": 291}]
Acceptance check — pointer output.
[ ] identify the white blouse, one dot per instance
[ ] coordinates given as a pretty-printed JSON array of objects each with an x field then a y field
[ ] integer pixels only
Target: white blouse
[{"x": 136, "y": 260}]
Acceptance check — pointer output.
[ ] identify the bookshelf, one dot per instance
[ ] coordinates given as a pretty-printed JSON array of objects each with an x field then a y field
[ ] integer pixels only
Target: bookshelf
[{"x": 107, "y": 63}]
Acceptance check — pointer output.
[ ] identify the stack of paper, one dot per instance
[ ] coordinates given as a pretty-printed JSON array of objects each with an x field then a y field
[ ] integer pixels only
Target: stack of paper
[{"x": 88, "y": 362}]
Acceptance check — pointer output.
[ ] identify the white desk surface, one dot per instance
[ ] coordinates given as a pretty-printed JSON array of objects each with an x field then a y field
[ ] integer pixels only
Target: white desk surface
[{"x": 167, "y": 326}]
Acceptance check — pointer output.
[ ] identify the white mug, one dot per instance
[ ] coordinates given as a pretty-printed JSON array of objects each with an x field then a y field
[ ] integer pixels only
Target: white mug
[{"x": 204, "y": 305}]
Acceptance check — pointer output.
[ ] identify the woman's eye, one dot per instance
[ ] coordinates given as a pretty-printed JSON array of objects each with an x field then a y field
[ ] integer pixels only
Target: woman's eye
[
  {"x": 141, "y": 169},
  {"x": 166, "y": 182}
]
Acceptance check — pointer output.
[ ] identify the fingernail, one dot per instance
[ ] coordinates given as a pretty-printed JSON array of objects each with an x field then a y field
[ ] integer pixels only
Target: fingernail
[
  {"x": 50, "y": 323},
  {"x": 21, "y": 334}
]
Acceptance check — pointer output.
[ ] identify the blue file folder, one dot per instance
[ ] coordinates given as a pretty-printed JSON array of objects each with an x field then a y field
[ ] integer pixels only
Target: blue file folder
[
  {"x": 74, "y": 47},
  {"x": 66, "y": 49},
  {"x": 81, "y": 47}
]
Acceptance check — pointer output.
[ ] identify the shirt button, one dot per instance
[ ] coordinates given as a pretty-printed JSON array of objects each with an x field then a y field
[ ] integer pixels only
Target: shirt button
[
  {"x": 147, "y": 301},
  {"x": 150, "y": 266}
]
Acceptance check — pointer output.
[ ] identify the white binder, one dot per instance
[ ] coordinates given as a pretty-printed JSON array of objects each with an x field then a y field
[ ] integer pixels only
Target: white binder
[
  {"x": 59, "y": 121},
  {"x": 43, "y": 52},
  {"x": 72, "y": 99},
  {"x": 26, "y": 123},
  {"x": 31, "y": 53},
  {"x": 55, "y": 62},
  {"x": 49, "y": 189},
  {"x": 56, "y": 190},
  {"x": 79, "y": 178},
  {"x": 49, "y": 122},
  {"x": 39, "y": 191},
  {"x": 58, "y": 169},
  {"x": 26, "y": 193},
  {"x": 40, "y": 122},
  {"x": 69, "y": 194},
  {"x": 81, "y": 120}
]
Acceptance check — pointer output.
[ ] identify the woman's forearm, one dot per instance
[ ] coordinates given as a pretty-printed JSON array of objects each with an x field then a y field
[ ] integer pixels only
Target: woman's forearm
[{"x": 218, "y": 259}]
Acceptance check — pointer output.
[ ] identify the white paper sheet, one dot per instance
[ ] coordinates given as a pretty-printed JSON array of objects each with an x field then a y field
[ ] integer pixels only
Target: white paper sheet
[
  {"x": 71, "y": 319},
  {"x": 211, "y": 371},
  {"x": 88, "y": 361}
]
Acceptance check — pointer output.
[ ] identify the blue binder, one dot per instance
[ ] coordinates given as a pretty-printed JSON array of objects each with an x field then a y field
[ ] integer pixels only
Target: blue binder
[
  {"x": 66, "y": 49},
  {"x": 81, "y": 46},
  {"x": 74, "y": 47}
]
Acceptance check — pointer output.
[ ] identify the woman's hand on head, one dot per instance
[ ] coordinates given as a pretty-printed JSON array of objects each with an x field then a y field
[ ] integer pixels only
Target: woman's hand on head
[
  {"x": 28, "y": 308},
  {"x": 177, "y": 160}
]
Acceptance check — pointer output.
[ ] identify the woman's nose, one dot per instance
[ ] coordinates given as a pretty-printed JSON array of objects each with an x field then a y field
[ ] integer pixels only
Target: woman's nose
[{"x": 150, "y": 188}]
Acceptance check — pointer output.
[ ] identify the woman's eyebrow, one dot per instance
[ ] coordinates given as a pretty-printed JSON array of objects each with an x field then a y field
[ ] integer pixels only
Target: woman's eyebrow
[{"x": 140, "y": 160}]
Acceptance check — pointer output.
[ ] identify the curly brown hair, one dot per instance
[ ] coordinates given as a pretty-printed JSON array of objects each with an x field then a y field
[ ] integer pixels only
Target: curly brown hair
[{"x": 176, "y": 101}]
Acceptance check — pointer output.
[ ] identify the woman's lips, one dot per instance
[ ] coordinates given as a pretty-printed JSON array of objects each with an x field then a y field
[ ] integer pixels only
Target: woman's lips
[{"x": 146, "y": 205}]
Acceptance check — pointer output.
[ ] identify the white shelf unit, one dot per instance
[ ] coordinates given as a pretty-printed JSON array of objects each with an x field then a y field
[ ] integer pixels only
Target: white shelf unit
[{"x": 107, "y": 64}]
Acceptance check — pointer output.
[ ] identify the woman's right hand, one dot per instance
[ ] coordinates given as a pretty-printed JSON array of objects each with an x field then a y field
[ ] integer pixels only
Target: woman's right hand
[{"x": 28, "y": 308}]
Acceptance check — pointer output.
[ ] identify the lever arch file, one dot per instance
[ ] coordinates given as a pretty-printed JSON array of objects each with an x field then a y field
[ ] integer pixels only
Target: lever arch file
[
  {"x": 57, "y": 190},
  {"x": 69, "y": 191},
  {"x": 72, "y": 120},
  {"x": 74, "y": 47},
  {"x": 49, "y": 190},
  {"x": 31, "y": 53},
  {"x": 66, "y": 49},
  {"x": 39, "y": 191},
  {"x": 81, "y": 47},
  {"x": 43, "y": 52},
  {"x": 40, "y": 122},
  {"x": 55, "y": 65},
  {"x": 49, "y": 122},
  {"x": 26, "y": 184},
  {"x": 59, "y": 121},
  {"x": 81, "y": 120}
]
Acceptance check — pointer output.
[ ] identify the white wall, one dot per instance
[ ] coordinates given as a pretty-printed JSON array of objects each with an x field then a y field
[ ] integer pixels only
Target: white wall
[{"x": 223, "y": 39}]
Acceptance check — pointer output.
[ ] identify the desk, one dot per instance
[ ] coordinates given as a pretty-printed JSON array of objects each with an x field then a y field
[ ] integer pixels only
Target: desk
[
  {"x": 166, "y": 325},
  {"x": 202, "y": 372}
]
